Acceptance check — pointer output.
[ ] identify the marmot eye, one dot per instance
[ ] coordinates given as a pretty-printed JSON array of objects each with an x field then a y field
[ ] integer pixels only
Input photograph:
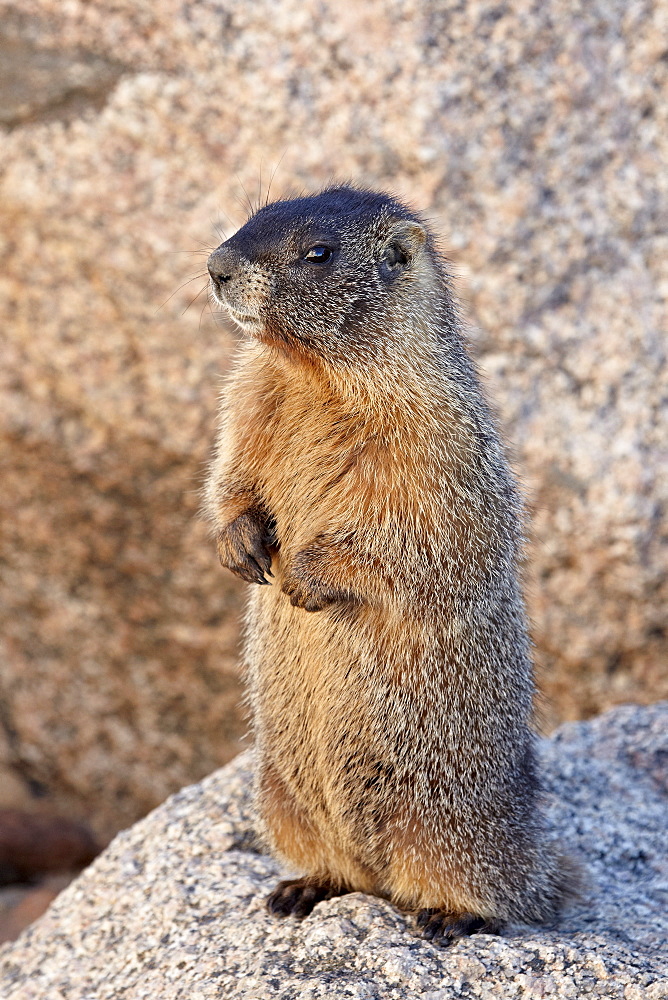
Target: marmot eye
[{"x": 318, "y": 255}]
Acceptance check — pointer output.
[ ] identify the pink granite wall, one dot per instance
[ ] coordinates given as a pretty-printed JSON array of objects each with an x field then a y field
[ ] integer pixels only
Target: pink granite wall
[{"x": 535, "y": 137}]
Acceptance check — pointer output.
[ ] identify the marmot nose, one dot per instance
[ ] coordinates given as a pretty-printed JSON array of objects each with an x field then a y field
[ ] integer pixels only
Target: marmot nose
[{"x": 221, "y": 265}]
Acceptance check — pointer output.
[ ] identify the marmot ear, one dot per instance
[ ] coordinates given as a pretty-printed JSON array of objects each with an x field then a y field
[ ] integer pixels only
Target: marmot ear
[
  {"x": 409, "y": 235},
  {"x": 404, "y": 241}
]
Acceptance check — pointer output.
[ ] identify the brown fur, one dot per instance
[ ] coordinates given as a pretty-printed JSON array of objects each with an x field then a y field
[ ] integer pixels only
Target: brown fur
[{"x": 388, "y": 663}]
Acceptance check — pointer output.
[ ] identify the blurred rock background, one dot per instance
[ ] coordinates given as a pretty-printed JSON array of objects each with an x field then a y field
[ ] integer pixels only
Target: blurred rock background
[{"x": 535, "y": 137}]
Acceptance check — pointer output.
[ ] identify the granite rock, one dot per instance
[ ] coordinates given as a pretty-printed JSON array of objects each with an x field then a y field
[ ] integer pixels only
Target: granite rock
[
  {"x": 534, "y": 136},
  {"x": 174, "y": 907}
]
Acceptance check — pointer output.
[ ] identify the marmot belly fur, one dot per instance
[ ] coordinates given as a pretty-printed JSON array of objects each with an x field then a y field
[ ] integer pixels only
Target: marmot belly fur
[{"x": 359, "y": 471}]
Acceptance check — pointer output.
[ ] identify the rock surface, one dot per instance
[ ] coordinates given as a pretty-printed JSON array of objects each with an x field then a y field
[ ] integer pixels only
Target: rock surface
[
  {"x": 174, "y": 907},
  {"x": 535, "y": 136}
]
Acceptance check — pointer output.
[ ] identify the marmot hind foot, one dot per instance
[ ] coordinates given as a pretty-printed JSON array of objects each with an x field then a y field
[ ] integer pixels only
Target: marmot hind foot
[
  {"x": 444, "y": 927},
  {"x": 297, "y": 897}
]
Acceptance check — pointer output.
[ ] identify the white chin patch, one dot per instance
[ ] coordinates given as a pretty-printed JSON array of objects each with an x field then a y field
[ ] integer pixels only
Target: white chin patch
[{"x": 247, "y": 321}]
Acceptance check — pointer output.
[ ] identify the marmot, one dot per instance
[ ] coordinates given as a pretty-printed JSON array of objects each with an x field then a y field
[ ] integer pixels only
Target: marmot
[{"x": 389, "y": 669}]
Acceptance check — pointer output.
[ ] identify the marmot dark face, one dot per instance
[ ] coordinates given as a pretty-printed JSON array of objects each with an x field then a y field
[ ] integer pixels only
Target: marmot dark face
[{"x": 328, "y": 276}]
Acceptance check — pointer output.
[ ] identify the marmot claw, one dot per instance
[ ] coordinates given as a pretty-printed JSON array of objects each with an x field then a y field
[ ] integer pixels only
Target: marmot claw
[{"x": 444, "y": 927}]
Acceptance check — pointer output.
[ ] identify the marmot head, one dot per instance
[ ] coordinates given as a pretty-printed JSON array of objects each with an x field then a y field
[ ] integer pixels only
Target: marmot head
[{"x": 337, "y": 276}]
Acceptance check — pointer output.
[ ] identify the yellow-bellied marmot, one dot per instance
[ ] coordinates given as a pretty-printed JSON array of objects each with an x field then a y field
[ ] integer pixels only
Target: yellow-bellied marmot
[{"x": 389, "y": 668}]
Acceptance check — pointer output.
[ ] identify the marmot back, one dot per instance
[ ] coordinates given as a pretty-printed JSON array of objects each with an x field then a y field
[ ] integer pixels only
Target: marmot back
[{"x": 359, "y": 471}]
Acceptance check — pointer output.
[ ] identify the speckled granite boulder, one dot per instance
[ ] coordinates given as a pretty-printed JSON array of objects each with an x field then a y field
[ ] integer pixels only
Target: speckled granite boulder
[
  {"x": 174, "y": 907},
  {"x": 535, "y": 137}
]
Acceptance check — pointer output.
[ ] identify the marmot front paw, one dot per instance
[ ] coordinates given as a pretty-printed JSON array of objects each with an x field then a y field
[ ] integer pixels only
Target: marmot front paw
[
  {"x": 305, "y": 595},
  {"x": 244, "y": 547},
  {"x": 306, "y": 589}
]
